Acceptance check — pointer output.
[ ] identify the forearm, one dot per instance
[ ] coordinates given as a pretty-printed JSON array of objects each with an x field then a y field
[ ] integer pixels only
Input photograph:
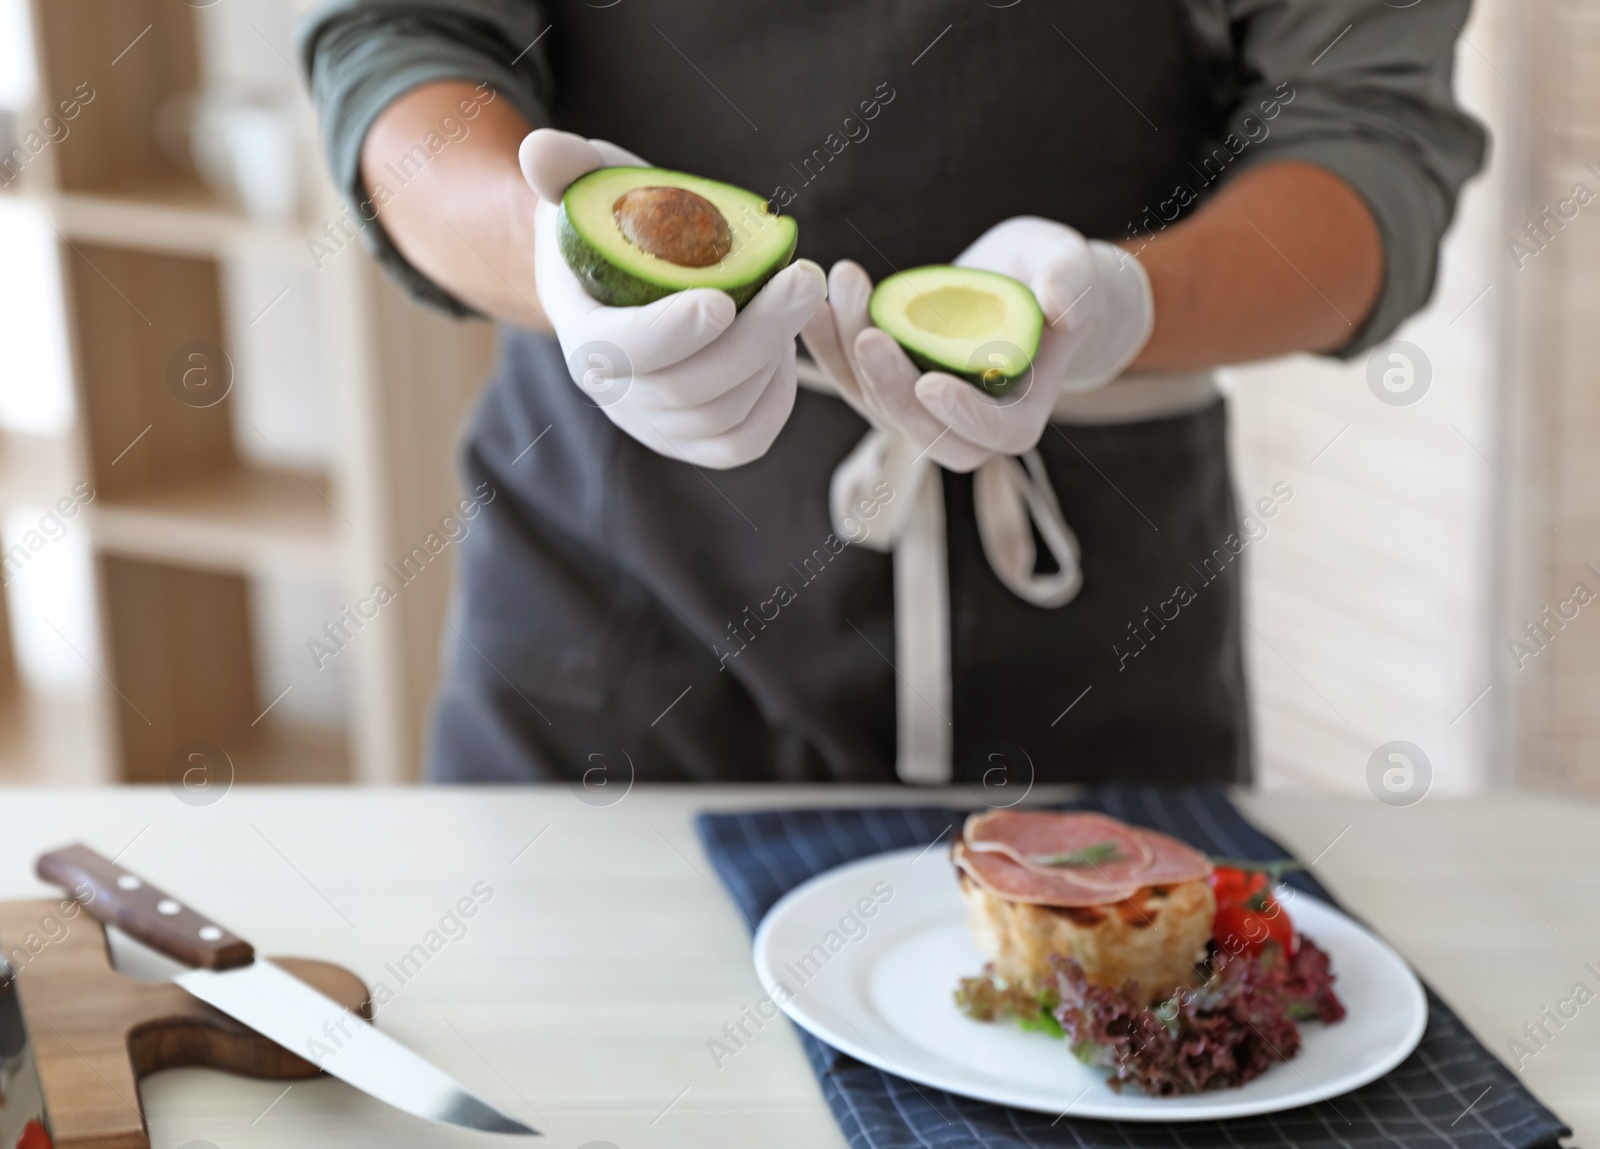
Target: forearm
[
  {"x": 1286, "y": 258},
  {"x": 464, "y": 217}
]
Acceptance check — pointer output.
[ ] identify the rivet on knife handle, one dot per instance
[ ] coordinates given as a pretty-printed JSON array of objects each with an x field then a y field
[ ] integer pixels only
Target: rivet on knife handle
[{"x": 116, "y": 897}]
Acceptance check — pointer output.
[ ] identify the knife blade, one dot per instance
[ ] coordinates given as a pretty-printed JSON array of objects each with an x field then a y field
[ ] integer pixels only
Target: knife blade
[
  {"x": 226, "y": 974},
  {"x": 23, "y": 1122}
]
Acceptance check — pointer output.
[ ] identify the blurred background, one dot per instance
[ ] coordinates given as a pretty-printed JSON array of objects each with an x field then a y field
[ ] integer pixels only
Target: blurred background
[{"x": 220, "y": 427}]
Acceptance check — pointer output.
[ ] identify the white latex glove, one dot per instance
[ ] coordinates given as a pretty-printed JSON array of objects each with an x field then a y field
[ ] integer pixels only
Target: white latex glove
[
  {"x": 687, "y": 376},
  {"x": 1098, "y": 314},
  {"x": 881, "y": 389}
]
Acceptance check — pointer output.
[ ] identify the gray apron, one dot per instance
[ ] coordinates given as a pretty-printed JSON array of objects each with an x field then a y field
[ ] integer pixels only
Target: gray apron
[{"x": 624, "y": 612}]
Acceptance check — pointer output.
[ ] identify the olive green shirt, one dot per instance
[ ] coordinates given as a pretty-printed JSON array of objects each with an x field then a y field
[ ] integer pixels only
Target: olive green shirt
[{"x": 1368, "y": 86}]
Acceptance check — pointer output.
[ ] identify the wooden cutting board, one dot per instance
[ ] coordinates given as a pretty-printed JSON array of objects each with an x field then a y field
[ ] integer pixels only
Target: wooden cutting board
[{"x": 95, "y": 1033}]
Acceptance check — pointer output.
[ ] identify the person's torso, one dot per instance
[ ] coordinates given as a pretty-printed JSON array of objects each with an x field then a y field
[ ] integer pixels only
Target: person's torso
[{"x": 896, "y": 133}]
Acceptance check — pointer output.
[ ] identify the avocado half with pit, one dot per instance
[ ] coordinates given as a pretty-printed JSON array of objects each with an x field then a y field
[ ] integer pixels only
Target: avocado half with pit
[
  {"x": 636, "y": 235},
  {"x": 978, "y": 325}
]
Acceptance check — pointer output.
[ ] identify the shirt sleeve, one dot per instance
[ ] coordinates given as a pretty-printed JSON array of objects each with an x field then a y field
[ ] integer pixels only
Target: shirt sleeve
[
  {"x": 361, "y": 55},
  {"x": 1363, "y": 89}
]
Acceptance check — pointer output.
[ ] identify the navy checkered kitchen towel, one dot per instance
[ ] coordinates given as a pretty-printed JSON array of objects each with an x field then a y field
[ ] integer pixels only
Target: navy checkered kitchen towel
[{"x": 762, "y": 855}]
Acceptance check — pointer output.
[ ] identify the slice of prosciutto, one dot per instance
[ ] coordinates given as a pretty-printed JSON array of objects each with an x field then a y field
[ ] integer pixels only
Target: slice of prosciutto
[{"x": 1009, "y": 852}]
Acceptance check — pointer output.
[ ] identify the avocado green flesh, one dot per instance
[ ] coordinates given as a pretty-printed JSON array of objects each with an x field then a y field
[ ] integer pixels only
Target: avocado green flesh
[
  {"x": 620, "y": 274},
  {"x": 978, "y": 325}
]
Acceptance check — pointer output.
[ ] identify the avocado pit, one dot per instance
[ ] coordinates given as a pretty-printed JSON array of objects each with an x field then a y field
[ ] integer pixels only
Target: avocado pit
[
  {"x": 674, "y": 224},
  {"x": 631, "y": 236}
]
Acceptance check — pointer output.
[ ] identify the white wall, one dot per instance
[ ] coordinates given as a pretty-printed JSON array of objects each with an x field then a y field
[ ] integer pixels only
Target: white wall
[{"x": 1369, "y": 603}]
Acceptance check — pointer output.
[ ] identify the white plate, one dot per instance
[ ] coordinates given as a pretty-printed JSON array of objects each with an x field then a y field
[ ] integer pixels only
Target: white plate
[{"x": 883, "y": 995}]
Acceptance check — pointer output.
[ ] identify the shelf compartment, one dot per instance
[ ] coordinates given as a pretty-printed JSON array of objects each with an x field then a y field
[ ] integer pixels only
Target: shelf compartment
[
  {"x": 181, "y": 656},
  {"x": 134, "y": 314},
  {"x": 134, "y": 55}
]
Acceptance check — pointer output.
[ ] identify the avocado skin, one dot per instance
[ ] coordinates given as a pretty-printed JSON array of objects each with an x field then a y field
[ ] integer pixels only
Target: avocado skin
[
  {"x": 614, "y": 287},
  {"x": 1000, "y": 386}
]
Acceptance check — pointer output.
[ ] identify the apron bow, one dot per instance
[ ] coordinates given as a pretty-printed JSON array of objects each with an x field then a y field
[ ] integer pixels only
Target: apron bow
[
  {"x": 889, "y": 478},
  {"x": 889, "y": 474}
]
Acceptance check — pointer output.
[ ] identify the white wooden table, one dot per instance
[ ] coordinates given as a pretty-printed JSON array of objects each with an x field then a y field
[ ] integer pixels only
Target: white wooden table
[{"x": 584, "y": 992}]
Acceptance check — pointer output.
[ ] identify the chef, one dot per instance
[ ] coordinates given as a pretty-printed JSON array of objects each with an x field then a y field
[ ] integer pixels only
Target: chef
[{"x": 711, "y": 557}]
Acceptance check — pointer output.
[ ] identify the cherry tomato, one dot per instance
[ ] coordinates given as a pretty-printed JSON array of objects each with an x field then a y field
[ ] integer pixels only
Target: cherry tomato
[
  {"x": 1233, "y": 886},
  {"x": 1247, "y": 928},
  {"x": 34, "y": 1136}
]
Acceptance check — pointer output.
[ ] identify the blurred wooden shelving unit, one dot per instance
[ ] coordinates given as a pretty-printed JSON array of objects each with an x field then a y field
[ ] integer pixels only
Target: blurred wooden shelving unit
[{"x": 182, "y": 519}]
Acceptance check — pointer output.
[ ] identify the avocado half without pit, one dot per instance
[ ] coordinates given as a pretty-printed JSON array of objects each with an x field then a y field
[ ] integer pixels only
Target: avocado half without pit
[
  {"x": 977, "y": 325},
  {"x": 636, "y": 235}
]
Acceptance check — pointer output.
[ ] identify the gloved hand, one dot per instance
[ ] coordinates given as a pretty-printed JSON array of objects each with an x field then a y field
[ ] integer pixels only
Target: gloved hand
[
  {"x": 686, "y": 376},
  {"x": 1098, "y": 313}
]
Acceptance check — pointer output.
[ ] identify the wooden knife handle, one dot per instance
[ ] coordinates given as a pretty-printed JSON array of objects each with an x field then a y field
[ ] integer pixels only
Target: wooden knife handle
[{"x": 118, "y": 898}]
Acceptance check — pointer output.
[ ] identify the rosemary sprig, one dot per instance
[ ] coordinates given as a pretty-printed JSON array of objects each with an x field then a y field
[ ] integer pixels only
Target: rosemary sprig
[{"x": 1095, "y": 855}]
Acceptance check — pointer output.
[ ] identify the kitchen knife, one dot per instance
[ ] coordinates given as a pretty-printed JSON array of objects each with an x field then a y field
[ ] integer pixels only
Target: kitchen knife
[
  {"x": 23, "y": 1124},
  {"x": 226, "y": 974}
]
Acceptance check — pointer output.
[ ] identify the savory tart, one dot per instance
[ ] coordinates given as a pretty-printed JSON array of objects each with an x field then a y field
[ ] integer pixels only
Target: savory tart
[
  {"x": 1172, "y": 974},
  {"x": 1127, "y": 904}
]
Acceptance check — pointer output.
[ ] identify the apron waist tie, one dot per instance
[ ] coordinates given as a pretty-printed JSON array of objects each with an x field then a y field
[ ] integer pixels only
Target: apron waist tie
[
  {"x": 1012, "y": 499},
  {"x": 1007, "y": 497}
]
